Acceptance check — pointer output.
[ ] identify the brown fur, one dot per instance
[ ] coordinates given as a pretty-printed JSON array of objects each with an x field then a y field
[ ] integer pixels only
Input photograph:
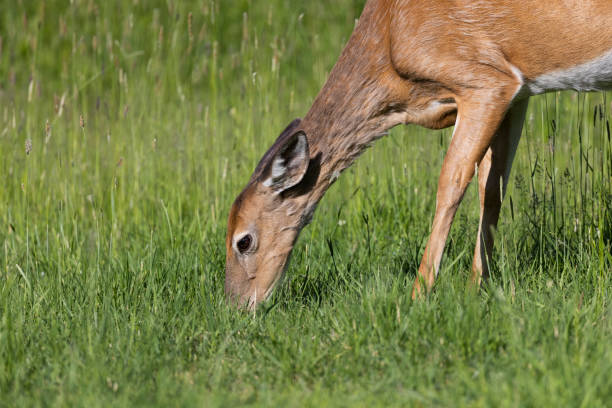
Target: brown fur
[{"x": 427, "y": 63}]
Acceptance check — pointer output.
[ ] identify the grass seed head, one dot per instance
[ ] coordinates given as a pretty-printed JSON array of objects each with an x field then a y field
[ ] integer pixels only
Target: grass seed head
[
  {"x": 190, "y": 31},
  {"x": 47, "y": 131}
]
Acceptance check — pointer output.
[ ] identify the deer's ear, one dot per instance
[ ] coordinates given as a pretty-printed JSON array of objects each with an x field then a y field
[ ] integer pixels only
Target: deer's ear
[{"x": 287, "y": 167}]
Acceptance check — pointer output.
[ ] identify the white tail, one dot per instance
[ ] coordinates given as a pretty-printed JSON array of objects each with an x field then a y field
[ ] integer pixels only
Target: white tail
[{"x": 471, "y": 63}]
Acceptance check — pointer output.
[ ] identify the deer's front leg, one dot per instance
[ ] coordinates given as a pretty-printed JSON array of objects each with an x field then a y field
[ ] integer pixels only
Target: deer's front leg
[
  {"x": 493, "y": 173},
  {"x": 479, "y": 117}
]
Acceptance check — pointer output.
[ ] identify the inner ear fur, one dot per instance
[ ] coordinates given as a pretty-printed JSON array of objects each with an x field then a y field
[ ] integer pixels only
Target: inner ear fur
[
  {"x": 284, "y": 147},
  {"x": 287, "y": 166}
]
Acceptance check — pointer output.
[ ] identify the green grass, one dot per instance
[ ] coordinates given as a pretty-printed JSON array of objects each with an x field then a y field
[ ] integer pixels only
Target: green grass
[{"x": 112, "y": 234}]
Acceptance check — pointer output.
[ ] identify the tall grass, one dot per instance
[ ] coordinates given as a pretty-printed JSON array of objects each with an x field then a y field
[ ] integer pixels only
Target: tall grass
[{"x": 127, "y": 128}]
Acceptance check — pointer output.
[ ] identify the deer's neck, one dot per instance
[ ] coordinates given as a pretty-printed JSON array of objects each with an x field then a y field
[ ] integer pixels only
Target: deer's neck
[
  {"x": 355, "y": 107},
  {"x": 341, "y": 125}
]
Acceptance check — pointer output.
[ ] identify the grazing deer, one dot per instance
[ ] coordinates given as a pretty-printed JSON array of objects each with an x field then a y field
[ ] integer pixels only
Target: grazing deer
[{"x": 438, "y": 63}]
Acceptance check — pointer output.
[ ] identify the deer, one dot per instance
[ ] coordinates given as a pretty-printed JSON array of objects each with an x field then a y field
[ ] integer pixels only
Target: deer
[{"x": 471, "y": 64}]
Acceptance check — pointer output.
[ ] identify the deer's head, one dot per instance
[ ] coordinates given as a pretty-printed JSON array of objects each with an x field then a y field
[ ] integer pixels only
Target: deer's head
[{"x": 266, "y": 218}]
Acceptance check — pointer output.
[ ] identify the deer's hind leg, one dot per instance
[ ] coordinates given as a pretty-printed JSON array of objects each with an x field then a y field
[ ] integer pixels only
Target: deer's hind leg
[{"x": 493, "y": 173}]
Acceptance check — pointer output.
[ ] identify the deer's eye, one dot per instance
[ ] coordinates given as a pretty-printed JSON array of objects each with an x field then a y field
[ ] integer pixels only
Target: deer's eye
[{"x": 244, "y": 243}]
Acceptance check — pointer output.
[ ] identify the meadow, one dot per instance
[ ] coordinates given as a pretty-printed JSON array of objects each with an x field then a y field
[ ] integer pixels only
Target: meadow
[{"x": 126, "y": 130}]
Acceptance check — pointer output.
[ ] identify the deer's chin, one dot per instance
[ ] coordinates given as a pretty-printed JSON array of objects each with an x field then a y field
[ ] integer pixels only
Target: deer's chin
[
  {"x": 261, "y": 290},
  {"x": 248, "y": 294}
]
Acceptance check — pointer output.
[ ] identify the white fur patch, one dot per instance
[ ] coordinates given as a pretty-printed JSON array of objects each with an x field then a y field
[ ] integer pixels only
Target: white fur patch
[
  {"x": 594, "y": 75},
  {"x": 280, "y": 166},
  {"x": 517, "y": 73},
  {"x": 456, "y": 125},
  {"x": 278, "y": 169},
  {"x": 521, "y": 80},
  {"x": 334, "y": 176}
]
